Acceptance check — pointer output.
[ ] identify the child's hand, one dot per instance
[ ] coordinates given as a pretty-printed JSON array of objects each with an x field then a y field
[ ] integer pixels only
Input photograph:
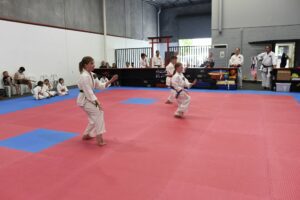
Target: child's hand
[
  {"x": 114, "y": 78},
  {"x": 194, "y": 82}
]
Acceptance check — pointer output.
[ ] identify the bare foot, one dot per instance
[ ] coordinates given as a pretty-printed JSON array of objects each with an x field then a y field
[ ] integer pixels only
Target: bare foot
[
  {"x": 100, "y": 140},
  {"x": 169, "y": 102},
  {"x": 101, "y": 144},
  {"x": 86, "y": 137},
  {"x": 179, "y": 115}
]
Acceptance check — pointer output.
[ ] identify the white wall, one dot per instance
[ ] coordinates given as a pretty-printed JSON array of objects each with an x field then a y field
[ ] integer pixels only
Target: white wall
[
  {"x": 246, "y": 21},
  {"x": 256, "y": 13},
  {"x": 43, "y": 50},
  {"x": 121, "y": 43}
]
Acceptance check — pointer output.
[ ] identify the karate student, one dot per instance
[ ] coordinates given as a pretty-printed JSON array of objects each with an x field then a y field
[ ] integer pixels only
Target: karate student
[
  {"x": 48, "y": 89},
  {"x": 237, "y": 61},
  {"x": 269, "y": 62},
  {"x": 170, "y": 72},
  {"x": 156, "y": 60},
  {"x": 143, "y": 61},
  {"x": 38, "y": 91},
  {"x": 179, "y": 85},
  {"x": 88, "y": 101},
  {"x": 61, "y": 88},
  {"x": 103, "y": 79}
]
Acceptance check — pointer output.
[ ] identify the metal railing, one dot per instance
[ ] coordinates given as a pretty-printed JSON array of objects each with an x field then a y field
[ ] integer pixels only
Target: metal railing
[
  {"x": 132, "y": 55},
  {"x": 191, "y": 56}
]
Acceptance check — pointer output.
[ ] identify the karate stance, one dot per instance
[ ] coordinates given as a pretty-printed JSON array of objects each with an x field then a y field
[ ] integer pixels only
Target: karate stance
[
  {"x": 179, "y": 85},
  {"x": 170, "y": 71},
  {"x": 88, "y": 101}
]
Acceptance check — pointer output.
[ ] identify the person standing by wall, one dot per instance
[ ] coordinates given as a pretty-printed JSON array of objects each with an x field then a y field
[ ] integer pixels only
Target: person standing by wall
[
  {"x": 284, "y": 59},
  {"x": 156, "y": 60},
  {"x": 237, "y": 61},
  {"x": 269, "y": 62}
]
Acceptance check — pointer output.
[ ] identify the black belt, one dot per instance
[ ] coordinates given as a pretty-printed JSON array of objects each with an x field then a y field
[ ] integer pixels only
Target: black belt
[
  {"x": 267, "y": 66},
  {"x": 178, "y": 92}
]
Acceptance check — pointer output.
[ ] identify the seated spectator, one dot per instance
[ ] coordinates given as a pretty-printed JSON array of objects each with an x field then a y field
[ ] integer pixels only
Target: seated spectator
[
  {"x": 61, "y": 88},
  {"x": 143, "y": 61},
  {"x": 103, "y": 64},
  {"x": 127, "y": 65},
  {"x": 48, "y": 89},
  {"x": 132, "y": 65},
  {"x": 107, "y": 65},
  {"x": 114, "y": 65},
  {"x": 8, "y": 81},
  {"x": 209, "y": 61},
  {"x": 21, "y": 79},
  {"x": 38, "y": 91}
]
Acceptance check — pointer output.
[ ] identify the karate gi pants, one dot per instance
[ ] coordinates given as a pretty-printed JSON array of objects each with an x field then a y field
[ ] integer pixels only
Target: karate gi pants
[
  {"x": 96, "y": 125},
  {"x": 240, "y": 77},
  {"x": 183, "y": 101},
  {"x": 266, "y": 77}
]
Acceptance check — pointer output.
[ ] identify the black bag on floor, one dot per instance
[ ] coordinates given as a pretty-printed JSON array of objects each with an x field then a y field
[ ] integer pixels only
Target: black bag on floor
[{"x": 2, "y": 93}]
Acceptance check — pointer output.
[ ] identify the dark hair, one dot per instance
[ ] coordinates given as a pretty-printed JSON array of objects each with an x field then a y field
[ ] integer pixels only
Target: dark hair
[
  {"x": 60, "y": 79},
  {"x": 85, "y": 60},
  {"x": 143, "y": 54},
  {"x": 4, "y": 73},
  {"x": 176, "y": 67},
  {"x": 22, "y": 69},
  {"x": 40, "y": 83},
  {"x": 173, "y": 57}
]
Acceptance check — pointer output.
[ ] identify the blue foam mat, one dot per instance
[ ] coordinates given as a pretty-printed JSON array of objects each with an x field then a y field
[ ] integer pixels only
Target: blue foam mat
[
  {"x": 144, "y": 101},
  {"x": 17, "y": 104},
  {"x": 37, "y": 140}
]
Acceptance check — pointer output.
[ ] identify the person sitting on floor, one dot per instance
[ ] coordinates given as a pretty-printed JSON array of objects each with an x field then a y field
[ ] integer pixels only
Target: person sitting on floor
[
  {"x": 61, "y": 88},
  {"x": 48, "y": 89},
  {"x": 8, "y": 81},
  {"x": 38, "y": 91}
]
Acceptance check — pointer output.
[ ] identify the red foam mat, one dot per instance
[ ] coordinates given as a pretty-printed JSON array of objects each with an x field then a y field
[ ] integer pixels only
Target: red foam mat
[{"x": 228, "y": 147}]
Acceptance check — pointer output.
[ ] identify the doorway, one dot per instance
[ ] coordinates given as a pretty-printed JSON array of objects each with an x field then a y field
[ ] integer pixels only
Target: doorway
[{"x": 287, "y": 49}]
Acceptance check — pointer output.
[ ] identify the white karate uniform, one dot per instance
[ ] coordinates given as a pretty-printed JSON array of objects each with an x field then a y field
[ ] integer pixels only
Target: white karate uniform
[
  {"x": 144, "y": 63},
  {"x": 179, "y": 83},
  {"x": 268, "y": 60},
  {"x": 38, "y": 93},
  {"x": 61, "y": 87},
  {"x": 170, "y": 71},
  {"x": 47, "y": 90},
  {"x": 238, "y": 60},
  {"x": 157, "y": 61},
  {"x": 86, "y": 99},
  {"x": 104, "y": 80}
]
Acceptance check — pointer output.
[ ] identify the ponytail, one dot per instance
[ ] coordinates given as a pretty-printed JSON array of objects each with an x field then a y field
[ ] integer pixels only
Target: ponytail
[
  {"x": 176, "y": 66},
  {"x": 85, "y": 60}
]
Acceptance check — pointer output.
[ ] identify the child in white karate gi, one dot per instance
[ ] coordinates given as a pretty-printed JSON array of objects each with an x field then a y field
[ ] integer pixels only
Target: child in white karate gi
[
  {"x": 180, "y": 85},
  {"x": 61, "y": 88}
]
